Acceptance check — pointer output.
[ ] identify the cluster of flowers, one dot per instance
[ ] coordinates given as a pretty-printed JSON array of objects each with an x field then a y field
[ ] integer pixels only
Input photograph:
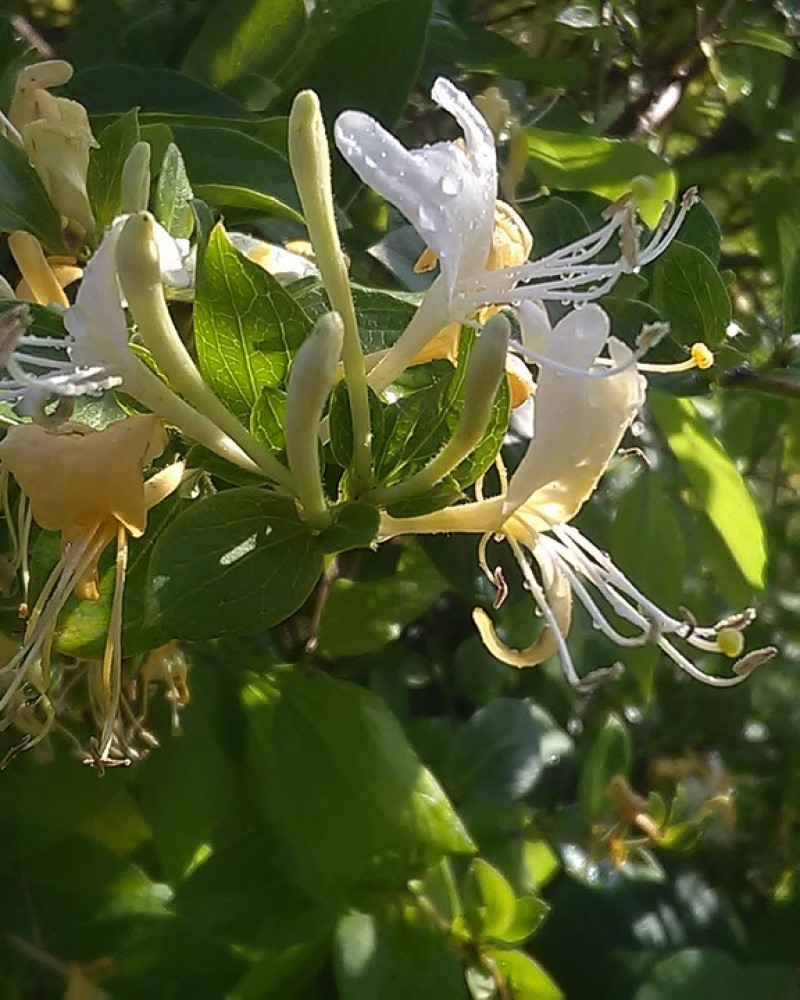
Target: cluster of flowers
[{"x": 90, "y": 485}]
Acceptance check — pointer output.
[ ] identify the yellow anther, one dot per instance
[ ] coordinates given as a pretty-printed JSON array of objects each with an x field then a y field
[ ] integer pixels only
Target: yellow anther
[
  {"x": 730, "y": 642},
  {"x": 702, "y": 356}
]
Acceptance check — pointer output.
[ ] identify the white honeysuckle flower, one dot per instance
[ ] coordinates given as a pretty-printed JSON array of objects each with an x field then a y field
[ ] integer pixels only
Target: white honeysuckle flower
[
  {"x": 96, "y": 355},
  {"x": 584, "y": 403},
  {"x": 448, "y": 192}
]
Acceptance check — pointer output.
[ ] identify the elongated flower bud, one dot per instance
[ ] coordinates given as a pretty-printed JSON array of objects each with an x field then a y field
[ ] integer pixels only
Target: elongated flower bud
[
  {"x": 139, "y": 269},
  {"x": 485, "y": 368},
  {"x": 135, "y": 183},
  {"x": 311, "y": 166},
  {"x": 310, "y": 383}
]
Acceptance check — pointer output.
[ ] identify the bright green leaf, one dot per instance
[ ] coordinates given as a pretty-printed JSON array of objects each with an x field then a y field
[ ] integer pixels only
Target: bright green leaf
[
  {"x": 336, "y": 779},
  {"x": 104, "y": 179},
  {"x": 717, "y": 484},
  {"x": 172, "y": 204},
  {"x": 525, "y": 978},
  {"x": 247, "y": 326},
  {"x": 605, "y": 166},
  {"x": 243, "y": 37}
]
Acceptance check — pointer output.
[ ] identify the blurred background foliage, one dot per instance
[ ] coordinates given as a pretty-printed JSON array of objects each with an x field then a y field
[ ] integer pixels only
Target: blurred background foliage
[{"x": 639, "y": 842}]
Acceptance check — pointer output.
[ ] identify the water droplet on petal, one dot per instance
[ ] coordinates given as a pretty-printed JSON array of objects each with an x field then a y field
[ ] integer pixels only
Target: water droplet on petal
[{"x": 450, "y": 185}]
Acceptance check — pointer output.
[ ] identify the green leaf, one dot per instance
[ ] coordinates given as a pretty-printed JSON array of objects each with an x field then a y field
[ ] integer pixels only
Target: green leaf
[
  {"x": 172, "y": 204},
  {"x": 44, "y": 805},
  {"x": 488, "y": 901},
  {"x": 395, "y": 954},
  {"x": 382, "y": 316},
  {"x": 247, "y": 326},
  {"x": 360, "y": 53},
  {"x": 232, "y": 564},
  {"x": 355, "y": 527},
  {"x": 791, "y": 299},
  {"x": 698, "y": 973},
  {"x": 647, "y": 541},
  {"x": 690, "y": 294},
  {"x": 776, "y": 219},
  {"x": 605, "y": 166},
  {"x": 717, "y": 484},
  {"x": 554, "y": 224},
  {"x": 231, "y": 170},
  {"x": 529, "y": 914},
  {"x": 496, "y": 757},
  {"x": 24, "y": 202},
  {"x": 104, "y": 179},
  {"x": 609, "y": 755},
  {"x": 115, "y": 88},
  {"x": 268, "y": 419},
  {"x": 245, "y": 36},
  {"x": 182, "y": 812},
  {"x": 336, "y": 779},
  {"x": 525, "y": 978},
  {"x": 359, "y": 617}
]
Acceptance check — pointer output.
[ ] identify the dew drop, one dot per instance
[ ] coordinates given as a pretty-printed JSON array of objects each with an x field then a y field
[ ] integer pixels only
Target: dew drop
[{"x": 450, "y": 185}]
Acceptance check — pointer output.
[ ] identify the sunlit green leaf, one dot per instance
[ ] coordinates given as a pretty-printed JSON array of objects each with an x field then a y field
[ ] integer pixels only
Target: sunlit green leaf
[
  {"x": 717, "y": 484},
  {"x": 247, "y": 326},
  {"x": 605, "y": 166}
]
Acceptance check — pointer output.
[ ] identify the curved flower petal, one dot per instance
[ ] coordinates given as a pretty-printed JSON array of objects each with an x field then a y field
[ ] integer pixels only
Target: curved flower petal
[
  {"x": 578, "y": 422},
  {"x": 447, "y": 190},
  {"x": 77, "y": 477},
  {"x": 97, "y": 320}
]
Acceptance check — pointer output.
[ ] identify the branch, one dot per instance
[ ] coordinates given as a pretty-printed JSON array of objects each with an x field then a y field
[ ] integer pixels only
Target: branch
[{"x": 743, "y": 377}]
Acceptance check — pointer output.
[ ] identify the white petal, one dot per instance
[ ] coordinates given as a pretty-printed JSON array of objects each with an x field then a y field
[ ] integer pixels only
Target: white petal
[
  {"x": 447, "y": 193},
  {"x": 534, "y": 325},
  {"x": 97, "y": 320},
  {"x": 579, "y": 422}
]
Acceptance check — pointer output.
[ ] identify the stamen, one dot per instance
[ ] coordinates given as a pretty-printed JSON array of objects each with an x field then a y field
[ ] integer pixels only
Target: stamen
[{"x": 112, "y": 655}]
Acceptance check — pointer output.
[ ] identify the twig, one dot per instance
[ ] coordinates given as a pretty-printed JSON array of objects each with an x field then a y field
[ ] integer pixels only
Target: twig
[{"x": 743, "y": 377}]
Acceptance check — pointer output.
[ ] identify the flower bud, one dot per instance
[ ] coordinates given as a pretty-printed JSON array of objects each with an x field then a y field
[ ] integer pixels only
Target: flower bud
[
  {"x": 136, "y": 179},
  {"x": 310, "y": 381}
]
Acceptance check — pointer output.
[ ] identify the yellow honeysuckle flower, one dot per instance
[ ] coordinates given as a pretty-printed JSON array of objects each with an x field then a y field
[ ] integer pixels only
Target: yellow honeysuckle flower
[
  {"x": 56, "y": 136},
  {"x": 88, "y": 485},
  {"x": 584, "y": 404}
]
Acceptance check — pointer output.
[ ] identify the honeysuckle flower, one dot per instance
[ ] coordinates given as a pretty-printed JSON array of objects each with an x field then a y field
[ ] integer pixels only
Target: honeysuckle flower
[
  {"x": 89, "y": 486},
  {"x": 584, "y": 403},
  {"x": 448, "y": 192},
  {"x": 58, "y": 145},
  {"x": 56, "y": 136},
  {"x": 97, "y": 356}
]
